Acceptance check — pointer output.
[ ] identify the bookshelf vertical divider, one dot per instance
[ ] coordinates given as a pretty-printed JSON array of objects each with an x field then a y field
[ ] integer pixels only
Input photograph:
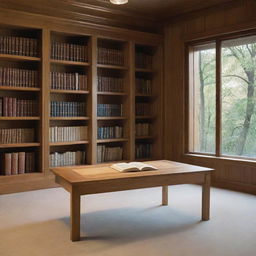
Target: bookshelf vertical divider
[
  {"x": 93, "y": 101},
  {"x": 131, "y": 64},
  {"x": 45, "y": 100}
]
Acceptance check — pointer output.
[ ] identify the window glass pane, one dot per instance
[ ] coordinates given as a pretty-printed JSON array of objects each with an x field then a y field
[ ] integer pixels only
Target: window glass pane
[
  {"x": 202, "y": 103},
  {"x": 239, "y": 97}
]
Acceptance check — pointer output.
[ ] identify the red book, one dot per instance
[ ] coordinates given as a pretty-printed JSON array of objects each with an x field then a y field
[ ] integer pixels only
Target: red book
[
  {"x": 21, "y": 162},
  {"x": 8, "y": 164},
  {"x": 5, "y": 106},
  {"x": 14, "y": 107},
  {"x": 9, "y": 106},
  {"x": 14, "y": 163}
]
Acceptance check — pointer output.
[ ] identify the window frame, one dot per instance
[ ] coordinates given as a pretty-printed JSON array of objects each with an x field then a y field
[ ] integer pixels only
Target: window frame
[{"x": 217, "y": 40}]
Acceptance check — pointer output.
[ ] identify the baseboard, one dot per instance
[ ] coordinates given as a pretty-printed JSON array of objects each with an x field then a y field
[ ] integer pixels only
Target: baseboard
[{"x": 241, "y": 187}]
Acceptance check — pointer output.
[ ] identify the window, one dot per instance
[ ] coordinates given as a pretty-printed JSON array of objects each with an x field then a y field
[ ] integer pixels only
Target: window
[
  {"x": 222, "y": 98},
  {"x": 203, "y": 103}
]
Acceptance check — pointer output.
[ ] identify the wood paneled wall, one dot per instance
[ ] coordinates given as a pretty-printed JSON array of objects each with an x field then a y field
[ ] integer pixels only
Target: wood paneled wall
[{"x": 233, "y": 17}]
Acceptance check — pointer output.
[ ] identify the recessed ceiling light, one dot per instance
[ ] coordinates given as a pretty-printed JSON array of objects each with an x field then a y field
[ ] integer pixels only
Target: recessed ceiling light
[{"x": 119, "y": 1}]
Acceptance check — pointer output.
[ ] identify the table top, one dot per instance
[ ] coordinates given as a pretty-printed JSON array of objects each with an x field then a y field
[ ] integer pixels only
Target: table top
[{"x": 100, "y": 172}]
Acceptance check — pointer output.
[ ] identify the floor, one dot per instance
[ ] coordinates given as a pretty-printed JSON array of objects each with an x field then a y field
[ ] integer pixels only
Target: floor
[{"x": 129, "y": 223}]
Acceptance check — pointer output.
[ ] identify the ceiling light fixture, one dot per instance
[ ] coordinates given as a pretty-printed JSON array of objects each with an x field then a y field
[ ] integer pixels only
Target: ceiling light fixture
[{"x": 119, "y": 1}]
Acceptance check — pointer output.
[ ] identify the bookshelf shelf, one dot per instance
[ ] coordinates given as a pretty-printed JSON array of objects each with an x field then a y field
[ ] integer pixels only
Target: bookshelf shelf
[
  {"x": 21, "y": 177},
  {"x": 113, "y": 93},
  {"x": 69, "y": 62},
  {"x": 144, "y": 117},
  {"x": 111, "y": 66},
  {"x": 69, "y": 91},
  {"x": 144, "y": 159},
  {"x": 111, "y": 118},
  {"x": 144, "y": 70},
  {"x": 112, "y": 140},
  {"x": 15, "y": 88},
  {"x": 143, "y": 95},
  {"x": 65, "y": 143},
  {"x": 9, "y": 118},
  {"x": 69, "y": 166},
  {"x": 70, "y": 118},
  {"x": 143, "y": 137},
  {"x": 19, "y": 145},
  {"x": 18, "y": 57}
]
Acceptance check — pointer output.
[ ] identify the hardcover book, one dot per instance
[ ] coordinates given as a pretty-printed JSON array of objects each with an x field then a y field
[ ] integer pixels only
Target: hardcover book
[{"x": 133, "y": 167}]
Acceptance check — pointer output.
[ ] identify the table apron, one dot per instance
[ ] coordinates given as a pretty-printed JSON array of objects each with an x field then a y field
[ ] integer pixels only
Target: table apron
[{"x": 102, "y": 186}]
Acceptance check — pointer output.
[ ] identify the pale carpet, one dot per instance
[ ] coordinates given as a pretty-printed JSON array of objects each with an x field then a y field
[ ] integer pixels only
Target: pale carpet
[{"x": 129, "y": 223}]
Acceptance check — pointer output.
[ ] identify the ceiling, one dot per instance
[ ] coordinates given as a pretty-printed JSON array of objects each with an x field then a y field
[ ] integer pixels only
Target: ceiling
[
  {"x": 144, "y": 15},
  {"x": 160, "y": 9}
]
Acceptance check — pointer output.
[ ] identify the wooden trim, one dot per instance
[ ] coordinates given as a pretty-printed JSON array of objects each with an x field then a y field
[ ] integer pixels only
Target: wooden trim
[
  {"x": 45, "y": 99},
  {"x": 76, "y": 26},
  {"x": 16, "y": 88},
  {"x": 241, "y": 187},
  {"x": 218, "y": 99},
  {"x": 212, "y": 158},
  {"x": 93, "y": 101}
]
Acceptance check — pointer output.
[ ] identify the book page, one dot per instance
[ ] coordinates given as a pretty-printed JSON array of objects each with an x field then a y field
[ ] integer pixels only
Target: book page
[
  {"x": 122, "y": 167},
  {"x": 142, "y": 166}
]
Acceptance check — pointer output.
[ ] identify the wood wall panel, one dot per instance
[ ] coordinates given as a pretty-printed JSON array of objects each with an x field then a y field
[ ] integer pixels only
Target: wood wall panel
[{"x": 238, "y": 16}]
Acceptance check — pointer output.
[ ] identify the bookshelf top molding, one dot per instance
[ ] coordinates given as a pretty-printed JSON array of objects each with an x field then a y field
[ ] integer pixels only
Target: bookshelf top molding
[{"x": 76, "y": 27}]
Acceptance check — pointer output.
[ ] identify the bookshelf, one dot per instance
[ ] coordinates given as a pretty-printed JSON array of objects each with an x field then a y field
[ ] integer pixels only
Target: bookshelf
[
  {"x": 80, "y": 84},
  {"x": 113, "y": 93},
  {"x": 20, "y": 92},
  {"x": 69, "y": 90},
  {"x": 147, "y": 100}
]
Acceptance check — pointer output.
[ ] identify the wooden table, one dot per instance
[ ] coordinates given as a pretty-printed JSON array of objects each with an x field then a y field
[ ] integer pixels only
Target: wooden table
[{"x": 93, "y": 179}]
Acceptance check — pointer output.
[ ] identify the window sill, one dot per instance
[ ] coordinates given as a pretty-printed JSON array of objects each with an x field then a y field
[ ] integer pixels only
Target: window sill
[{"x": 221, "y": 158}]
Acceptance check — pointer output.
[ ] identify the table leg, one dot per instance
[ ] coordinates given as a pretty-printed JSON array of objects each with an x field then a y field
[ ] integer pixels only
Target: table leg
[
  {"x": 165, "y": 195},
  {"x": 75, "y": 215},
  {"x": 206, "y": 197}
]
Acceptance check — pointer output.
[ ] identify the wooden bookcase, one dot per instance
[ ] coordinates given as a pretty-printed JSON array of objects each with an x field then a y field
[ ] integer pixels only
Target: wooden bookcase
[
  {"x": 148, "y": 92},
  {"x": 119, "y": 67},
  {"x": 67, "y": 66},
  {"x": 18, "y": 83},
  {"x": 114, "y": 88}
]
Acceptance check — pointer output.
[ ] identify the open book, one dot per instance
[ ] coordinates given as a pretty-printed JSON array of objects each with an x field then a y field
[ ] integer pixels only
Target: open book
[{"x": 133, "y": 167}]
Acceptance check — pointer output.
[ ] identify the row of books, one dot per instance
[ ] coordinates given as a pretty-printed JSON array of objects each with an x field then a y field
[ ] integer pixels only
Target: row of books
[
  {"x": 18, "y": 77},
  {"x": 68, "y": 133},
  {"x": 142, "y": 129},
  {"x": 19, "y": 46},
  {"x": 143, "y": 60},
  {"x": 67, "y": 109},
  {"x": 142, "y": 109},
  {"x": 143, "y": 150},
  {"x": 17, "y": 107},
  {"x": 143, "y": 86},
  {"x": 18, "y": 163},
  {"x": 22, "y": 135},
  {"x": 109, "y": 56},
  {"x": 110, "y": 132},
  {"x": 67, "y": 158},
  {"x": 110, "y": 84},
  {"x": 70, "y": 52},
  {"x": 68, "y": 81},
  {"x": 107, "y": 154},
  {"x": 109, "y": 109}
]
